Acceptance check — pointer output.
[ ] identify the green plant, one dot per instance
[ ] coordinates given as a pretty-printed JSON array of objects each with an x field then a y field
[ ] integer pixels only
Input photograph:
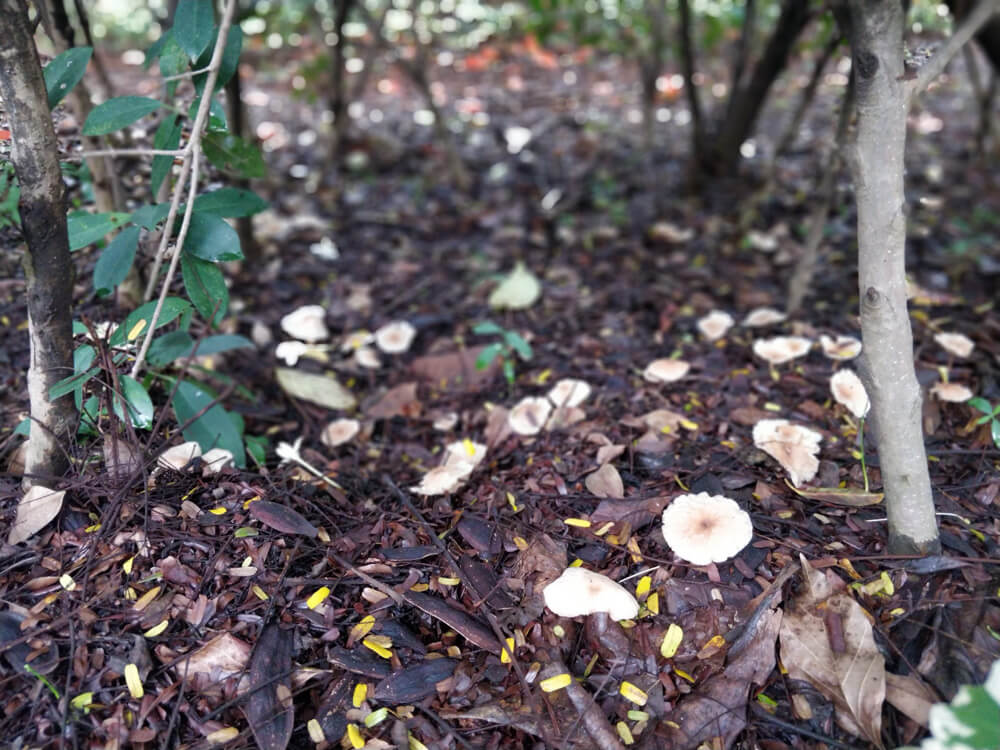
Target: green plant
[
  {"x": 116, "y": 374},
  {"x": 10, "y": 193},
  {"x": 510, "y": 346},
  {"x": 991, "y": 414}
]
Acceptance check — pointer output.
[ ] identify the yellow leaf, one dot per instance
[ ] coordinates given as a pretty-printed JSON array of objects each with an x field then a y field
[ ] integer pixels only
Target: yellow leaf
[
  {"x": 315, "y": 731},
  {"x": 259, "y": 592},
  {"x": 376, "y": 717},
  {"x": 581, "y": 523},
  {"x": 505, "y": 654},
  {"x": 363, "y": 628},
  {"x": 558, "y": 682},
  {"x": 222, "y": 736},
  {"x": 139, "y": 327},
  {"x": 354, "y": 736},
  {"x": 377, "y": 647},
  {"x": 360, "y": 693},
  {"x": 157, "y": 629},
  {"x": 133, "y": 681},
  {"x": 632, "y": 693},
  {"x": 624, "y": 732},
  {"x": 445, "y": 581},
  {"x": 318, "y": 597},
  {"x": 146, "y": 599},
  {"x": 671, "y": 641},
  {"x": 653, "y": 603},
  {"x": 67, "y": 582},
  {"x": 642, "y": 588}
]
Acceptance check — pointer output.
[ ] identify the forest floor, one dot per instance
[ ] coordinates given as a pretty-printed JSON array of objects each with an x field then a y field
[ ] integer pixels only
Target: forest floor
[{"x": 258, "y": 600}]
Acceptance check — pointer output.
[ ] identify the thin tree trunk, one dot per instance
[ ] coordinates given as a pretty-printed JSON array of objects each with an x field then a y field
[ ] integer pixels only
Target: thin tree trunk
[
  {"x": 741, "y": 53},
  {"x": 689, "y": 65},
  {"x": 650, "y": 66},
  {"x": 47, "y": 264},
  {"x": 338, "y": 95},
  {"x": 808, "y": 94}
]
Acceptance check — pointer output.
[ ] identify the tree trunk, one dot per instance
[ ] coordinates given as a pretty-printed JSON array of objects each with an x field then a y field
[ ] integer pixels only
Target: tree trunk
[
  {"x": 338, "y": 93},
  {"x": 47, "y": 264},
  {"x": 876, "y": 36}
]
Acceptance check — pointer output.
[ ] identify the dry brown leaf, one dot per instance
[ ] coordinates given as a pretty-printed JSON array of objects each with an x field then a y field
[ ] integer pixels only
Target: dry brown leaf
[
  {"x": 399, "y": 401},
  {"x": 606, "y": 482},
  {"x": 826, "y": 640},
  {"x": 38, "y": 506},
  {"x": 222, "y": 657},
  {"x": 910, "y": 695},
  {"x": 607, "y": 453}
]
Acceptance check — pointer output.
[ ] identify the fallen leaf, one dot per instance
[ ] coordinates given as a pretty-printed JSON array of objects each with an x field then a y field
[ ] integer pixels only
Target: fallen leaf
[
  {"x": 400, "y": 401},
  {"x": 268, "y": 708},
  {"x": 850, "y": 496},
  {"x": 223, "y": 656},
  {"x": 606, "y": 482},
  {"x": 454, "y": 368},
  {"x": 317, "y": 389},
  {"x": 281, "y": 518},
  {"x": 38, "y": 506},
  {"x": 415, "y": 682},
  {"x": 518, "y": 291},
  {"x": 910, "y": 695},
  {"x": 826, "y": 639}
]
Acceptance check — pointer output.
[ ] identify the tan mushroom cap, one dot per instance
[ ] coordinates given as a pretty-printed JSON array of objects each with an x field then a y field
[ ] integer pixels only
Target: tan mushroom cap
[
  {"x": 529, "y": 416},
  {"x": 781, "y": 349},
  {"x": 339, "y": 431},
  {"x": 849, "y": 391},
  {"x": 569, "y": 392},
  {"x": 840, "y": 348},
  {"x": 463, "y": 452},
  {"x": 953, "y": 392},
  {"x": 791, "y": 445},
  {"x": 956, "y": 344},
  {"x": 763, "y": 316},
  {"x": 395, "y": 337},
  {"x": 179, "y": 456},
  {"x": 367, "y": 357},
  {"x": 705, "y": 528},
  {"x": 442, "y": 479},
  {"x": 446, "y": 421},
  {"x": 579, "y": 592},
  {"x": 307, "y": 323},
  {"x": 215, "y": 460},
  {"x": 666, "y": 370},
  {"x": 356, "y": 339},
  {"x": 714, "y": 325}
]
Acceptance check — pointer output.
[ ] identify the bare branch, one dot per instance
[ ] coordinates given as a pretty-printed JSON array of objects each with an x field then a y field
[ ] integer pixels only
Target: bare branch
[{"x": 962, "y": 34}]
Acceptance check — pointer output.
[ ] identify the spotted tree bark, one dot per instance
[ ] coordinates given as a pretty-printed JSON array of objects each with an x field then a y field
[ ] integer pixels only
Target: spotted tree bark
[
  {"x": 884, "y": 91},
  {"x": 47, "y": 265}
]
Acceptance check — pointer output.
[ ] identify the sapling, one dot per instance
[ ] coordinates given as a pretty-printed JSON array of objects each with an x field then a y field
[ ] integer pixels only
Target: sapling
[
  {"x": 510, "y": 346},
  {"x": 991, "y": 414}
]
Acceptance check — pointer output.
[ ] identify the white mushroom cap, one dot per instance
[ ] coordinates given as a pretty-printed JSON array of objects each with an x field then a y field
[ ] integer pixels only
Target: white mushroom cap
[
  {"x": 665, "y": 370},
  {"x": 781, "y": 349},
  {"x": 395, "y": 337},
  {"x": 529, "y": 416},
  {"x": 367, "y": 357},
  {"x": 840, "y": 348},
  {"x": 569, "y": 392},
  {"x": 442, "y": 479},
  {"x": 464, "y": 452},
  {"x": 215, "y": 460},
  {"x": 446, "y": 421},
  {"x": 179, "y": 456},
  {"x": 763, "y": 316},
  {"x": 953, "y": 392},
  {"x": 308, "y": 324},
  {"x": 664, "y": 231},
  {"x": 762, "y": 241},
  {"x": 290, "y": 351},
  {"x": 580, "y": 592},
  {"x": 714, "y": 325},
  {"x": 791, "y": 445},
  {"x": 355, "y": 340},
  {"x": 705, "y": 528},
  {"x": 848, "y": 390},
  {"x": 339, "y": 431},
  {"x": 955, "y": 343}
]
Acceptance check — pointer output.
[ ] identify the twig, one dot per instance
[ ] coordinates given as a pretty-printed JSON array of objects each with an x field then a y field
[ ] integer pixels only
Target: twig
[
  {"x": 965, "y": 31},
  {"x": 127, "y": 152}
]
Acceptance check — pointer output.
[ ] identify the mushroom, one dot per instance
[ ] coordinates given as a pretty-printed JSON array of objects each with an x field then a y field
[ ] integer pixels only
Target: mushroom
[
  {"x": 762, "y": 241},
  {"x": 580, "y": 592},
  {"x": 953, "y": 392},
  {"x": 529, "y": 416},
  {"x": 290, "y": 351},
  {"x": 366, "y": 357},
  {"x": 791, "y": 445},
  {"x": 464, "y": 452},
  {"x": 763, "y": 316},
  {"x": 442, "y": 479},
  {"x": 956, "y": 344},
  {"x": 395, "y": 337},
  {"x": 665, "y": 370},
  {"x": 705, "y": 528},
  {"x": 446, "y": 421},
  {"x": 781, "y": 349},
  {"x": 339, "y": 431},
  {"x": 178, "y": 457},
  {"x": 840, "y": 348},
  {"x": 849, "y": 391},
  {"x": 215, "y": 460},
  {"x": 665, "y": 231},
  {"x": 355, "y": 340},
  {"x": 569, "y": 392},
  {"x": 308, "y": 324},
  {"x": 714, "y": 325}
]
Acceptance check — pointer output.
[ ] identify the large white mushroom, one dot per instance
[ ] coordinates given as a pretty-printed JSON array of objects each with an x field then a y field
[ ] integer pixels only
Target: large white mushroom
[
  {"x": 665, "y": 370},
  {"x": 956, "y": 344},
  {"x": 339, "y": 431},
  {"x": 840, "y": 348},
  {"x": 705, "y": 528},
  {"x": 463, "y": 452},
  {"x": 569, "y": 392},
  {"x": 579, "y": 592},
  {"x": 763, "y": 316},
  {"x": 781, "y": 349},
  {"x": 714, "y": 325},
  {"x": 791, "y": 445},
  {"x": 442, "y": 479},
  {"x": 289, "y": 352},
  {"x": 307, "y": 323},
  {"x": 849, "y": 391},
  {"x": 395, "y": 337},
  {"x": 954, "y": 392},
  {"x": 529, "y": 416}
]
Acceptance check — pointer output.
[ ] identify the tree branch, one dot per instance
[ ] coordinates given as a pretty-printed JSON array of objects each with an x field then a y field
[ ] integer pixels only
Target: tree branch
[{"x": 965, "y": 31}]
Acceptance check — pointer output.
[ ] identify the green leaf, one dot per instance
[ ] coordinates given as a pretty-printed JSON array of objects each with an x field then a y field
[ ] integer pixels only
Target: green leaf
[
  {"x": 487, "y": 328},
  {"x": 167, "y": 138},
  {"x": 89, "y": 416},
  {"x": 257, "y": 448},
  {"x": 173, "y": 62},
  {"x": 115, "y": 114},
  {"x": 228, "y": 64},
  {"x": 223, "y": 342},
  {"x": 206, "y": 287},
  {"x": 518, "y": 344},
  {"x": 214, "y": 428},
  {"x": 980, "y": 403},
  {"x": 169, "y": 348},
  {"x": 149, "y": 216},
  {"x": 226, "y": 151},
  {"x": 193, "y": 24},
  {"x": 508, "y": 370},
  {"x": 230, "y": 202},
  {"x": 116, "y": 261},
  {"x": 173, "y": 307},
  {"x": 216, "y": 115},
  {"x": 24, "y": 427},
  {"x": 995, "y": 432},
  {"x": 155, "y": 49},
  {"x": 64, "y": 72},
  {"x": 86, "y": 228},
  {"x": 83, "y": 357},
  {"x": 72, "y": 383},
  {"x": 487, "y": 355},
  {"x": 212, "y": 239},
  {"x": 140, "y": 406}
]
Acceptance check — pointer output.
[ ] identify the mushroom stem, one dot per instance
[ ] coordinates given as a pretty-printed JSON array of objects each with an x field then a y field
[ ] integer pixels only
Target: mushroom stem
[{"x": 861, "y": 447}]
